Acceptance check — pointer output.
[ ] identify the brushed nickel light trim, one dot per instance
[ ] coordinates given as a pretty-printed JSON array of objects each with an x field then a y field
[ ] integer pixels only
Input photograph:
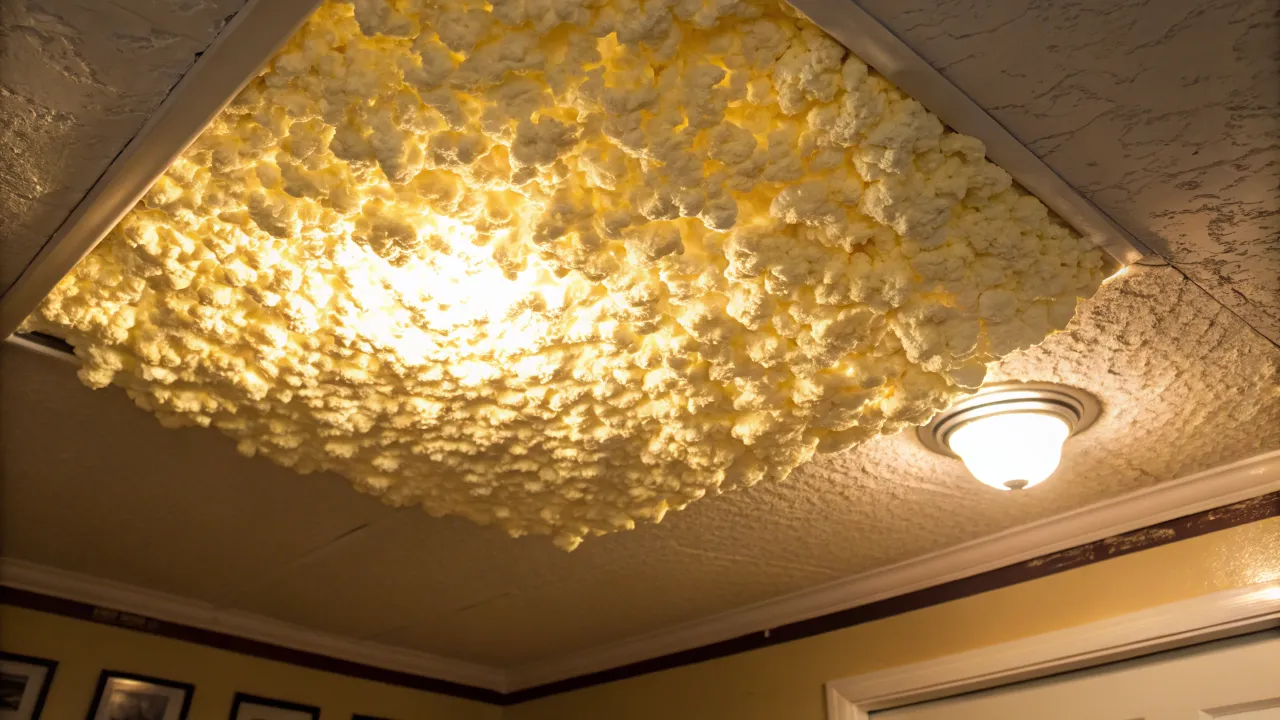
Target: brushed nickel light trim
[{"x": 1076, "y": 407}]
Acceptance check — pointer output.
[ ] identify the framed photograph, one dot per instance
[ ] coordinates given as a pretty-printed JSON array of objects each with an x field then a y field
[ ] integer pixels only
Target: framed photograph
[
  {"x": 24, "y": 685},
  {"x": 122, "y": 696},
  {"x": 252, "y": 707}
]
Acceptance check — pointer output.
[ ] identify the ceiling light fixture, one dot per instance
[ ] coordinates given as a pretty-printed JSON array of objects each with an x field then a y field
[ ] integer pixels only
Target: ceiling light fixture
[{"x": 1010, "y": 435}]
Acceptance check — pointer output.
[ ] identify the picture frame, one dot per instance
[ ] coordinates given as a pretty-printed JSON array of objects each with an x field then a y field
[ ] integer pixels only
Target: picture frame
[
  {"x": 126, "y": 696},
  {"x": 24, "y": 685},
  {"x": 253, "y": 707}
]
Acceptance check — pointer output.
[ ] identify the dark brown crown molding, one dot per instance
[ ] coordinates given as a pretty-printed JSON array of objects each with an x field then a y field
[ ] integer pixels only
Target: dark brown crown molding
[{"x": 1183, "y": 528}]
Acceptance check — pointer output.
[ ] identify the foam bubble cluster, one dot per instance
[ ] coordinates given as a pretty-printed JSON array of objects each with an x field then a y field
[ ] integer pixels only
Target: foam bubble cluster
[{"x": 565, "y": 265}]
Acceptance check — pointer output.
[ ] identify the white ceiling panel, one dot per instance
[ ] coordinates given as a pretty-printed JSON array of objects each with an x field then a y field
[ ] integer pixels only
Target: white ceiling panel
[
  {"x": 1165, "y": 113},
  {"x": 78, "y": 78}
]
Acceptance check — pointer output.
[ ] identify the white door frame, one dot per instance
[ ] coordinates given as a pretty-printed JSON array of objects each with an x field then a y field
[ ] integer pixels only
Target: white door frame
[{"x": 1211, "y": 617}]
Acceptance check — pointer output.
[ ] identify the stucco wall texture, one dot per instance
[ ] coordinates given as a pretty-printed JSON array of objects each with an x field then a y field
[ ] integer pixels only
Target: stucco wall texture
[
  {"x": 78, "y": 78},
  {"x": 1165, "y": 113}
]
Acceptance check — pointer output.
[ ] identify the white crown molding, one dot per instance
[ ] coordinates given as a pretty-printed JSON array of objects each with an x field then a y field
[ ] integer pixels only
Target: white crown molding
[
  {"x": 1212, "y": 617},
  {"x": 183, "y": 611},
  {"x": 231, "y": 60},
  {"x": 1204, "y": 491}
]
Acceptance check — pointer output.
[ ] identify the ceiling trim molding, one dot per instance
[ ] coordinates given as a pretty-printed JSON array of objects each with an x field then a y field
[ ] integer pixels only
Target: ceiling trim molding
[
  {"x": 107, "y": 599},
  {"x": 1221, "y": 498},
  {"x": 1224, "y": 614},
  {"x": 233, "y": 58},
  {"x": 876, "y": 44},
  {"x": 1042, "y": 542}
]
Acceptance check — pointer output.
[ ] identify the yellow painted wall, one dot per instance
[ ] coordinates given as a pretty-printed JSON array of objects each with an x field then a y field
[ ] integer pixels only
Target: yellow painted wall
[
  {"x": 785, "y": 682},
  {"x": 83, "y": 649},
  {"x": 779, "y": 683}
]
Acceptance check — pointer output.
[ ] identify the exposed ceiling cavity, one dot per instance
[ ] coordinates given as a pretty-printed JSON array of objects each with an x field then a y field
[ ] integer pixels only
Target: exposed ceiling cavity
[{"x": 564, "y": 272}]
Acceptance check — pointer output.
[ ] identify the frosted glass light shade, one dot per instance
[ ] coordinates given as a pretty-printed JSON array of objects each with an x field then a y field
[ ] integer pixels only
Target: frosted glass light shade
[{"x": 1011, "y": 451}]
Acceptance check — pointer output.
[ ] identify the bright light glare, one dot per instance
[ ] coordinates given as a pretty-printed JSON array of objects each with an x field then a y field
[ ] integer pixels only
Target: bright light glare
[
  {"x": 1267, "y": 594},
  {"x": 1011, "y": 451},
  {"x": 447, "y": 301},
  {"x": 1117, "y": 274}
]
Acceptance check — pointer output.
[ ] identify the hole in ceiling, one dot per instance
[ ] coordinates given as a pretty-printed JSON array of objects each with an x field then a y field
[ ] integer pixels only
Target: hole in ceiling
[{"x": 563, "y": 271}]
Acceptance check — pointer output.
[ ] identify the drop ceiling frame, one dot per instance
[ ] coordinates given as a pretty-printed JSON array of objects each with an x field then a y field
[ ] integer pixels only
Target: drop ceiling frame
[
  {"x": 876, "y": 44},
  {"x": 233, "y": 58},
  {"x": 262, "y": 26}
]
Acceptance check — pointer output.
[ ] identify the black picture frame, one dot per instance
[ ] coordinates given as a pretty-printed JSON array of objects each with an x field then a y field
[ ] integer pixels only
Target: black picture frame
[
  {"x": 188, "y": 689},
  {"x": 50, "y": 666},
  {"x": 242, "y": 698}
]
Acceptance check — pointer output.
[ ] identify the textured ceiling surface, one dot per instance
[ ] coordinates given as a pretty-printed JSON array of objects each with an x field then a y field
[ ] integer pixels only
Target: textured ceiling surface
[
  {"x": 78, "y": 78},
  {"x": 1165, "y": 113},
  {"x": 115, "y": 495}
]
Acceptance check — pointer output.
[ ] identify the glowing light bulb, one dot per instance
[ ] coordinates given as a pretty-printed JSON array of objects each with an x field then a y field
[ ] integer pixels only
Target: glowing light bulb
[{"x": 1011, "y": 451}]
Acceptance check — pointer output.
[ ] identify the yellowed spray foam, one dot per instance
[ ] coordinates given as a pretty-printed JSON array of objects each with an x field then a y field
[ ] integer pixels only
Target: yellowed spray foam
[{"x": 562, "y": 266}]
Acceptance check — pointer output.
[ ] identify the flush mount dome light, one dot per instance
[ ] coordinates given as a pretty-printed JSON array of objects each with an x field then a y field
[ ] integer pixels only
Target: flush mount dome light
[{"x": 1010, "y": 435}]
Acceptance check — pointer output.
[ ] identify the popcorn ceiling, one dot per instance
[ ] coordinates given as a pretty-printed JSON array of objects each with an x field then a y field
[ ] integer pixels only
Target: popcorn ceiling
[{"x": 564, "y": 266}]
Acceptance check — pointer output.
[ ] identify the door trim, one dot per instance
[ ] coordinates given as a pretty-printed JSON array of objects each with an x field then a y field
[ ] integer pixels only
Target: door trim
[{"x": 1211, "y": 617}]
